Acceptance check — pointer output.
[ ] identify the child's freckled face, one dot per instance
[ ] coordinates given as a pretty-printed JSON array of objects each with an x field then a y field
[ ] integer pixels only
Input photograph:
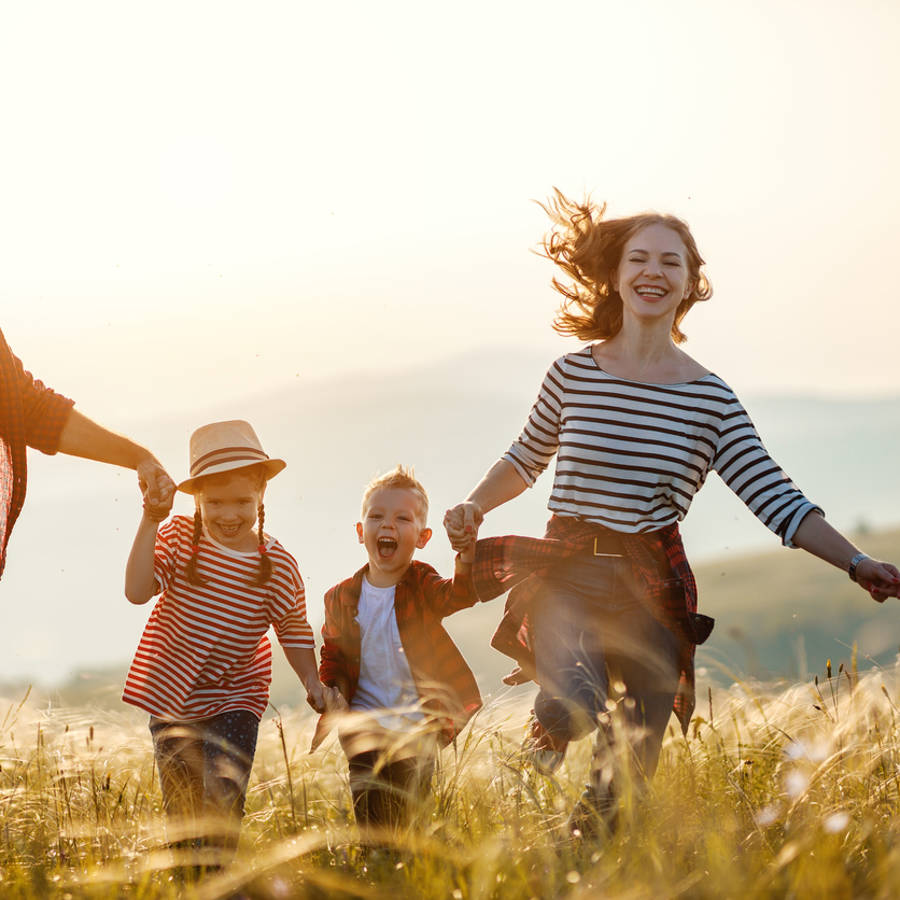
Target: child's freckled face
[
  {"x": 229, "y": 506},
  {"x": 392, "y": 529}
]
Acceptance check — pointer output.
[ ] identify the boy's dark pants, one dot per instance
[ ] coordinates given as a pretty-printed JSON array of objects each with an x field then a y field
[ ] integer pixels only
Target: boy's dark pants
[
  {"x": 204, "y": 766},
  {"x": 386, "y": 791}
]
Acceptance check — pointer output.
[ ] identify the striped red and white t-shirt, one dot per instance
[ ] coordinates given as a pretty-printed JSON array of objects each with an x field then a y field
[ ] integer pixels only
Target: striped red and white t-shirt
[{"x": 204, "y": 650}]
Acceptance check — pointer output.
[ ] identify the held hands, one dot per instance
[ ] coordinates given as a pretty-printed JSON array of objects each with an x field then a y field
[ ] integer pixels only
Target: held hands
[
  {"x": 334, "y": 705},
  {"x": 315, "y": 695},
  {"x": 325, "y": 699},
  {"x": 880, "y": 579},
  {"x": 462, "y": 523},
  {"x": 157, "y": 488}
]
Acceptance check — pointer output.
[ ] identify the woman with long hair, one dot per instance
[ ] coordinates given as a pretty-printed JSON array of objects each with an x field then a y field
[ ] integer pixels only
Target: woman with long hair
[{"x": 636, "y": 425}]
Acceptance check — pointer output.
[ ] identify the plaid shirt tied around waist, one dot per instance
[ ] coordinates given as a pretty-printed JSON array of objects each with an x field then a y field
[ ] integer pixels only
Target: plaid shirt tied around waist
[{"x": 513, "y": 563}]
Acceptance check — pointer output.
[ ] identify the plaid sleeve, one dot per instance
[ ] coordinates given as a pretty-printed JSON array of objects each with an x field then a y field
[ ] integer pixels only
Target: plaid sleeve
[
  {"x": 445, "y": 596},
  {"x": 289, "y": 620},
  {"x": 334, "y": 668},
  {"x": 45, "y": 411}
]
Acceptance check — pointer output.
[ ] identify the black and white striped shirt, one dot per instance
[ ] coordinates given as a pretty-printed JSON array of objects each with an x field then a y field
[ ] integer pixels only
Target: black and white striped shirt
[{"x": 632, "y": 455}]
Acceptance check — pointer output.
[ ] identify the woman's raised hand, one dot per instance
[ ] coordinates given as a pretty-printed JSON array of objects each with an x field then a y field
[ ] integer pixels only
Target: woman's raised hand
[
  {"x": 880, "y": 579},
  {"x": 462, "y": 523}
]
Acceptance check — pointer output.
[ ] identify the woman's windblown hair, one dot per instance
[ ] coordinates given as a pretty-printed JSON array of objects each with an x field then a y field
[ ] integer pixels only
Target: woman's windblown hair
[{"x": 588, "y": 249}]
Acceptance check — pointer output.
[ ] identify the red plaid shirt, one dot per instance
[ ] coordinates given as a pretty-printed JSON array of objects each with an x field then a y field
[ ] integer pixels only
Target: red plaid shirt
[
  {"x": 422, "y": 599},
  {"x": 517, "y": 562},
  {"x": 31, "y": 415}
]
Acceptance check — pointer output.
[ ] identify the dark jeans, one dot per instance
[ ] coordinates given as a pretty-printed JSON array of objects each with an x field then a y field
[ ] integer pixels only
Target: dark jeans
[
  {"x": 204, "y": 767},
  {"x": 595, "y": 642},
  {"x": 386, "y": 791}
]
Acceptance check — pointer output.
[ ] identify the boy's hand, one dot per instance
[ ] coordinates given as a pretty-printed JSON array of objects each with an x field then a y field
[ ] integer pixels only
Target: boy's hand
[
  {"x": 467, "y": 555},
  {"x": 462, "y": 524},
  {"x": 334, "y": 700},
  {"x": 334, "y": 703}
]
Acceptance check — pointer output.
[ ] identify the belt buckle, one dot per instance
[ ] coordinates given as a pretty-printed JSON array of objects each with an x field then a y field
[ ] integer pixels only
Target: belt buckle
[{"x": 597, "y": 552}]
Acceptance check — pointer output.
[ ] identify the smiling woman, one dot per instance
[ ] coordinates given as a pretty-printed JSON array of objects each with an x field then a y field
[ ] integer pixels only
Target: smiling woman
[{"x": 636, "y": 426}]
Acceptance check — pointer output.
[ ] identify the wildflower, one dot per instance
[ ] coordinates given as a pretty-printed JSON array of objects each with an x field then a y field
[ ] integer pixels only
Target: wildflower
[
  {"x": 836, "y": 822},
  {"x": 796, "y": 782},
  {"x": 767, "y": 815}
]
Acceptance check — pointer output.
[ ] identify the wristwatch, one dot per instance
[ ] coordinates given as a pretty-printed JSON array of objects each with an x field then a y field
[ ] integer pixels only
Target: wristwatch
[{"x": 851, "y": 569}]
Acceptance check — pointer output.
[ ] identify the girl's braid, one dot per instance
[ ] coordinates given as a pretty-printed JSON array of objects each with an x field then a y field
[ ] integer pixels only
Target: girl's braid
[
  {"x": 264, "y": 572},
  {"x": 190, "y": 570}
]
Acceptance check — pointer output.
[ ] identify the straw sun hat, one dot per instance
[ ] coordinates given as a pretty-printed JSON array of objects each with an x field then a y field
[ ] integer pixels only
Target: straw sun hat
[{"x": 223, "y": 447}]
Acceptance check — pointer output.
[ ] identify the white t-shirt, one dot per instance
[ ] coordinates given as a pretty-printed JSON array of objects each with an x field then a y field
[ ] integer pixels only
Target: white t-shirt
[{"x": 385, "y": 681}]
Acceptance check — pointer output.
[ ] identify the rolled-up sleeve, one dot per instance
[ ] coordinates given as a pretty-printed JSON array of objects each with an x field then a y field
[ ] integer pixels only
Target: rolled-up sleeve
[
  {"x": 746, "y": 467},
  {"x": 45, "y": 411},
  {"x": 539, "y": 440}
]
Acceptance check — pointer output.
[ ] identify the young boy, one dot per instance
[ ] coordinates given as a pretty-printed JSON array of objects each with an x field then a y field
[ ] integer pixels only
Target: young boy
[{"x": 387, "y": 653}]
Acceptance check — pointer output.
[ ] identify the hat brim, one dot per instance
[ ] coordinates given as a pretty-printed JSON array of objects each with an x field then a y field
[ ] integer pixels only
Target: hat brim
[{"x": 271, "y": 467}]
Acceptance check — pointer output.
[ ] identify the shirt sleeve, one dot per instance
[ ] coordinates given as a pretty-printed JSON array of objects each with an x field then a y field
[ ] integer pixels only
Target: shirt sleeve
[
  {"x": 334, "y": 665},
  {"x": 289, "y": 614},
  {"x": 531, "y": 453},
  {"x": 165, "y": 553},
  {"x": 45, "y": 411},
  {"x": 746, "y": 467},
  {"x": 444, "y": 596}
]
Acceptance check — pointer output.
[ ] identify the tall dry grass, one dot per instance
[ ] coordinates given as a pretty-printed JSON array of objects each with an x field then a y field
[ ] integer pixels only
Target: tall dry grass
[{"x": 775, "y": 792}]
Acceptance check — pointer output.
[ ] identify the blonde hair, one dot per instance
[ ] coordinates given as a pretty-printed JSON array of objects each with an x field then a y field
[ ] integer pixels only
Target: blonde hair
[
  {"x": 399, "y": 477},
  {"x": 588, "y": 248}
]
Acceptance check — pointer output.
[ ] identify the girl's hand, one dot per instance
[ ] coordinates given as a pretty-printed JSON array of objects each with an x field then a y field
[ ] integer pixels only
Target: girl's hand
[
  {"x": 154, "y": 482},
  {"x": 462, "y": 523},
  {"x": 157, "y": 509},
  {"x": 880, "y": 579},
  {"x": 315, "y": 696}
]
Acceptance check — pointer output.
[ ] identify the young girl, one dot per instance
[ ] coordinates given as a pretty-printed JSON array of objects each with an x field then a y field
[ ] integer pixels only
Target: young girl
[{"x": 203, "y": 666}]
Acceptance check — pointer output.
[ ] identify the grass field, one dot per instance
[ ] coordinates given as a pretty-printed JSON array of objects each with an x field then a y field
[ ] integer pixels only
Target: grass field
[{"x": 774, "y": 792}]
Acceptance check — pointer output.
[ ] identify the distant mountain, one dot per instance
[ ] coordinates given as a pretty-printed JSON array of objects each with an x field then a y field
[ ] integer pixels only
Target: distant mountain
[
  {"x": 64, "y": 608},
  {"x": 779, "y": 615}
]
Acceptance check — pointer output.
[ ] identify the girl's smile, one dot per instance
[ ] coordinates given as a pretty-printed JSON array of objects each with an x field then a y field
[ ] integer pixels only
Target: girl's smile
[{"x": 229, "y": 505}]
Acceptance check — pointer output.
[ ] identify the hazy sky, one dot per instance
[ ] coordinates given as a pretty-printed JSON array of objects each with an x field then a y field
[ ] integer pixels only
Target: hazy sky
[{"x": 200, "y": 201}]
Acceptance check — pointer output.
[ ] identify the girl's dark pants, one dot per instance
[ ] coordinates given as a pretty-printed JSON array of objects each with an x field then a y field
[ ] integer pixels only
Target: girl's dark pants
[
  {"x": 204, "y": 766},
  {"x": 595, "y": 641}
]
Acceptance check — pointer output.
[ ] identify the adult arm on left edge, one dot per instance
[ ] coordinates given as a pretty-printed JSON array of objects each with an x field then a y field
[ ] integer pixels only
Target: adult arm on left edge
[{"x": 83, "y": 437}]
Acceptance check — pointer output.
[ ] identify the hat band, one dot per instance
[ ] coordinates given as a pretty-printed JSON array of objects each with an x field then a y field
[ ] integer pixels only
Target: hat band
[{"x": 227, "y": 455}]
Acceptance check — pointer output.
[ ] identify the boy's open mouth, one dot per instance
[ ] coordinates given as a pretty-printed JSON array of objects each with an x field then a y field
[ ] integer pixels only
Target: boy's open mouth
[{"x": 386, "y": 547}]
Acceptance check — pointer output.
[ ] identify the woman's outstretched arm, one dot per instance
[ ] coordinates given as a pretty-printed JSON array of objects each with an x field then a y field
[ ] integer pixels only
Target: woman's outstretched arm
[
  {"x": 501, "y": 483},
  {"x": 816, "y": 536}
]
